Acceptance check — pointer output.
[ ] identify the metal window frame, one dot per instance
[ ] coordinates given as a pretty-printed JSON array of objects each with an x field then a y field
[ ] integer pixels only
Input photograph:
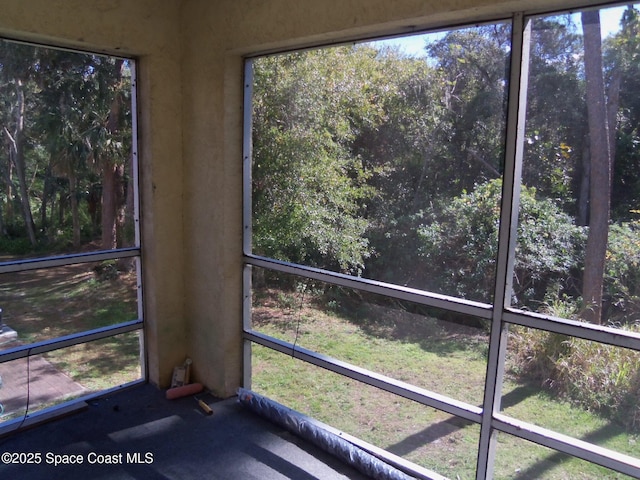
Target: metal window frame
[
  {"x": 500, "y": 312},
  {"x": 135, "y": 252},
  {"x": 507, "y": 239}
]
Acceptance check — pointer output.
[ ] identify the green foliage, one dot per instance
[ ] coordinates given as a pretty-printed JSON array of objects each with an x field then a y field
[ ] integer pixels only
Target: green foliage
[
  {"x": 472, "y": 67},
  {"x": 549, "y": 250},
  {"x": 106, "y": 270},
  {"x": 306, "y": 185},
  {"x": 460, "y": 239},
  {"x": 599, "y": 378},
  {"x": 345, "y": 140},
  {"x": 533, "y": 354},
  {"x": 66, "y": 117},
  {"x": 373, "y": 163},
  {"x": 622, "y": 272},
  {"x": 556, "y": 110},
  {"x": 602, "y": 378},
  {"x": 622, "y": 63},
  {"x": 15, "y": 246}
]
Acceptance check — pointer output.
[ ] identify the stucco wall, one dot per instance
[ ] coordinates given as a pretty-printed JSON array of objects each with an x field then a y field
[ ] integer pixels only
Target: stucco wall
[
  {"x": 253, "y": 26},
  {"x": 148, "y": 30}
]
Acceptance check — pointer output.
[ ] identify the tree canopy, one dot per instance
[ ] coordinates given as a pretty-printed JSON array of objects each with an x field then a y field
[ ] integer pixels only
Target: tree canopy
[
  {"x": 374, "y": 162},
  {"x": 66, "y": 137}
]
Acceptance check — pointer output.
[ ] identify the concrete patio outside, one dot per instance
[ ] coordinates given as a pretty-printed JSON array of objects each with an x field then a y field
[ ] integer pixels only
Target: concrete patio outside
[{"x": 34, "y": 381}]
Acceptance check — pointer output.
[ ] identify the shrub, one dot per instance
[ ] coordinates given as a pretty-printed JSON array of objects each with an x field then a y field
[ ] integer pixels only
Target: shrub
[
  {"x": 533, "y": 354},
  {"x": 599, "y": 378},
  {"x": 549, "y": 252},
  {"x": 15, "y": 246},
  {"x": 622, "y": 274},
  {"x": 460, "y": 239},
  {"x": 106, "y": 270}
]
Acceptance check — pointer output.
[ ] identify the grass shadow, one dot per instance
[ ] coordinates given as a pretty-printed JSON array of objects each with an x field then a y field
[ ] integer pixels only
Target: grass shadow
[
  {"x": 436, "y": 331},
  {"x": 597, "y": 437},
  {"x": 44, "y": 305},
  {"x": 445, "y": 428},
  {"x": 107, "y": 362}
]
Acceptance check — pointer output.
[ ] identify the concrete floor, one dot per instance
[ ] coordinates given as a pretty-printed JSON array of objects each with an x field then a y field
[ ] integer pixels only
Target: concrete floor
[{"x": 138, "y": 434}]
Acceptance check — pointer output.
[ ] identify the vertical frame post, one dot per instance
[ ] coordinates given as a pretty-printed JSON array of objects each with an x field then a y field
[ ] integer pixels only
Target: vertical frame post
[
  {"x": 514, "y": 146},
  {"x": 136, "y": 211},
  {"x": 247, "y": 149}
]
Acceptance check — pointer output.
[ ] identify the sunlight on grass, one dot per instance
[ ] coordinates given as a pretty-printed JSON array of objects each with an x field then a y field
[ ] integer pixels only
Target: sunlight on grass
[
  {"x": 425, "y": 436},
  {"x": 101, "y": 364},
  {"x": 427, "y": 352},
  {"x": 447, "y": 358},
  {"x": 520, "y": 459},
  {"x": 537, "y": 406},
  {"x": 44, "y": 304}
]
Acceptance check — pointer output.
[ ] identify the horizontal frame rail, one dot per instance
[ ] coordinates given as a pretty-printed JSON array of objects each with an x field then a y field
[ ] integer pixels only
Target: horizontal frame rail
[
  {"x": 444, "y": 302},
  {"x": 62, "y": 260},
  {"x": 405, "y": 390},
  {"x": 565, "y": 444},
  {"x": 69, "y": 340},
  {"x": 574, "y": 328}
]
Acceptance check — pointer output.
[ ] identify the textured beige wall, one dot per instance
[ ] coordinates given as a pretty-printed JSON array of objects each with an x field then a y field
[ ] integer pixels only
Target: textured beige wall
[
  {"x": 149, "y": 30},
  {"x": 254, "y": 26}
]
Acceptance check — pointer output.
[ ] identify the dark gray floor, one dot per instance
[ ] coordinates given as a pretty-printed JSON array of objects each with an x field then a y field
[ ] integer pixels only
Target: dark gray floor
[{"x": 170, "y": 440}]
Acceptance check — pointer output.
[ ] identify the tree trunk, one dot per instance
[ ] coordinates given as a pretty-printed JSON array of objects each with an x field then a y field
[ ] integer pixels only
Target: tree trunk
[
  {"x": 5, "y": 207},
  {"x": 61, "y": 204},
  {"x": 75, "y": 215},
  {"x": 600, "y": 178},
  {"x": 111, "y": 177},
  {"x": 9, "y": 193},
  {"x": 121, "y": 203},
  {"x": 46, "y": 195},
  {"x": 108, "y": 205},
  {"x": 583, "y": 195},
  {"x": 16, "y": 154},
  {"x": 3, "y": 228},
  {"x": 613, "y": 104}
]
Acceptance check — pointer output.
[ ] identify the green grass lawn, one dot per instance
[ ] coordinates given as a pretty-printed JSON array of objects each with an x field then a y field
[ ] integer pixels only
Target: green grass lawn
[{"x": 446, "y": 358}]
